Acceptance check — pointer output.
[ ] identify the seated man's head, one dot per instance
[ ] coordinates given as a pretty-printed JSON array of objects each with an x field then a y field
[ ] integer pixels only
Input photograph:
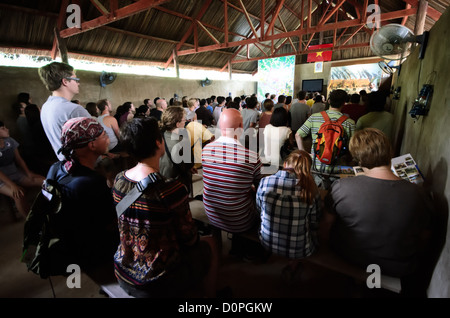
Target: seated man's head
[
  {"x": 141, "y": 138},
  {"x": 231, "y": 123},
  {"x": 83, "y": 137},
  {"x": 161, "y": 104},
  {"x": 371, "y": 148}
]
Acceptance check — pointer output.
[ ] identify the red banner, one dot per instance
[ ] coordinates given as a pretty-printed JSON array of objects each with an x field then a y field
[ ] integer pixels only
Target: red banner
[{"x": 320, "y": 56}]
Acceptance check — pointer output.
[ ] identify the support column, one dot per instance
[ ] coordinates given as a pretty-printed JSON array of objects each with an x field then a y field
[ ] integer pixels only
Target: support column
[
  {"x": 175, "y": 63},
  {"x": 420, "y": 17}
]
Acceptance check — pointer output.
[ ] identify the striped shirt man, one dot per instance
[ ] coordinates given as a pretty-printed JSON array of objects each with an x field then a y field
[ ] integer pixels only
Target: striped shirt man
[{"x": 229, "y": 171}]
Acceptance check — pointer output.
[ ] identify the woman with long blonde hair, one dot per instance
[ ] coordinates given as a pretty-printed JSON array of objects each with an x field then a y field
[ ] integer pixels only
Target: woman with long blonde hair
[{"x": 289, "y": 205}]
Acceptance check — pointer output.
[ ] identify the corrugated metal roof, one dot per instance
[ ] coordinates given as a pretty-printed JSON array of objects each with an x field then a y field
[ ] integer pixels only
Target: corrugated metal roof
[{"x": 196, "y": 29}]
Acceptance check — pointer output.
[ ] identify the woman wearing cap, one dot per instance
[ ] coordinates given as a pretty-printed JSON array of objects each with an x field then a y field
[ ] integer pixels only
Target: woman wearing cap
[{"x": 14, "y": 172}]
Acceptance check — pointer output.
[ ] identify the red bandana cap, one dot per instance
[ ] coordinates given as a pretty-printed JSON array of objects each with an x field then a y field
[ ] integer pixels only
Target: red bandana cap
[{"x": 77, "y": 133}]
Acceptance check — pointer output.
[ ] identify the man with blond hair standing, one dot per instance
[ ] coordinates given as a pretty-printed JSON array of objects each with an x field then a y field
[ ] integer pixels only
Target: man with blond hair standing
[{"x": 61, "y": 81}]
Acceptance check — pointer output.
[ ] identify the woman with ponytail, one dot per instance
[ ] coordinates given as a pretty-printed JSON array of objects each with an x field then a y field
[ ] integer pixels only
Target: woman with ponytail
[{"x": 289, "y": 205}]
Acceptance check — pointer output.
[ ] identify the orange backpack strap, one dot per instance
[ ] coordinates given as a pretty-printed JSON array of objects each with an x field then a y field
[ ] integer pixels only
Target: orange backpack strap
[
  {"x": 341, "y": 119},
  {"x": 325, "y": 115}
]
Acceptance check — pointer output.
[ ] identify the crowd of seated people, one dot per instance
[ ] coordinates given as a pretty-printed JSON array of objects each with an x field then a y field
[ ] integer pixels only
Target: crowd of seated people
[{"x": 158, "y": 249}]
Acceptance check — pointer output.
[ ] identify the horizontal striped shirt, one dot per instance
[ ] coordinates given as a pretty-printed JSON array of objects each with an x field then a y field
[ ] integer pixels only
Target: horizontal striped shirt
[
  {"x": 313, "y": 123},
  {"x": 312, "y": 126},
  {"x": 229, "y": 171},
  {"x": 288, "y": 225}
]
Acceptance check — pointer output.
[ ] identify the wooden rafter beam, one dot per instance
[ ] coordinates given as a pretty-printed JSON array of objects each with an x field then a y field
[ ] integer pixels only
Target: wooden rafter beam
[
  {"x": 207, "y": 32},
  {"x": 100, "y": 7},
  {"x": 250, "y": 14},
  {"x": 292, "y": 44},
  {"x": 358, "y": 8},
  {"x": 347, "y": 47},
  {"x": 275, "y": 13},
  {"x": 308, "y": 25},
  {"x": 300, "y": 32},
  {"x": 232, "y": 57},
  {"x": 342, "y": 34},
  {"x": 364, "y": 10},
  {"x": 236, "y": 53},
  {"x": 59, "y": 25},
  {"x": 153, "y": 38},
  {"x": 124, "y": 12},
  {"x": 293, "y": 12},
  {"x": 302, "y": 17},
  {"x": 331, "y": 13},
  {"x": 225, "y": 25},
  {"x": 11, "y": 7},
  {"x": 190, "y": 30},
  {"x": 263, "y": 18},
  {"x": 405, "y": 18},
  {"x": 325, "y": 11},
  {"x": 421, "y": 17},
  {"x": 352, "y": 35},
  {"x": 142, "y": 36},
  {"x": 113, "y": 5},
  {"x": 183, "y": 16},
  {"x": 335, "y": 30},
  {"x": 262, "y": 51},
  {"x": 285, "y": 30},
  {"x": 431, "y": 12},
  {"x": 247, "y": 17}
]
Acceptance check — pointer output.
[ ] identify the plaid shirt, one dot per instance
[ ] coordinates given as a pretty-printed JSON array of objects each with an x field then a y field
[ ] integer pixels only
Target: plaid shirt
[{"x": 288, "y": 226}]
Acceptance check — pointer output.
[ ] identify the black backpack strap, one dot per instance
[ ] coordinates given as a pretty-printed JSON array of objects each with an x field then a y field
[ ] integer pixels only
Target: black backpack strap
[{"x": 136, "y": 192}]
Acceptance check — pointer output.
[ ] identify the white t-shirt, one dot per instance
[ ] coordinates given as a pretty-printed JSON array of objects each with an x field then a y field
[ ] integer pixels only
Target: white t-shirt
[
  {"x": 274, "y": 139},
  {"x": 54, "y": 114}
]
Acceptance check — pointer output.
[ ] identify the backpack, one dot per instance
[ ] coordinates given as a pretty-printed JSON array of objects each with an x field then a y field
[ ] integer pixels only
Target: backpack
[
  {"x": 44, "y": 251},
  {"x": 330, "y": 140}
]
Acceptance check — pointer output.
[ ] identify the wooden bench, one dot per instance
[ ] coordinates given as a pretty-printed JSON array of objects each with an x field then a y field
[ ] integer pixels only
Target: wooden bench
[
  {"x": 113, "y": 290},
  {"x": 324, "y": 257}
]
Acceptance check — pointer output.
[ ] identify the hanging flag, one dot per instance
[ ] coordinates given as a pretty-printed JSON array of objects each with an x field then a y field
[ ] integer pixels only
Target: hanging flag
[{"x": 320, "y": 56}]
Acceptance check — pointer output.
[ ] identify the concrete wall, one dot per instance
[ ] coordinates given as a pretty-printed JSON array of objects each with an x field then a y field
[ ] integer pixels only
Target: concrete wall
[
  {"x": 134, "y": 88},
  {"x": 427, "y": 138},
  {"x": 306, "y": 71}
]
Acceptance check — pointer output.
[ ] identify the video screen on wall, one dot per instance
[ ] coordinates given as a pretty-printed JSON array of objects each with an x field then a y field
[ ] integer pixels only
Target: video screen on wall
[
  {"x": 276, "y": 76},
  {"x": 312, "y": 85},
  {"x": 354, "y": 78}
]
